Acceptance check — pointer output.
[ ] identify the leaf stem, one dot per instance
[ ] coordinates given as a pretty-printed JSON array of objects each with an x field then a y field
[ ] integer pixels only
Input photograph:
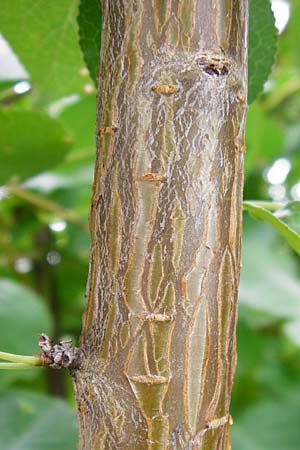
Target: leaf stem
[
  {"x": 16, "y": 366},
  {"x": 28, "y": 361}
]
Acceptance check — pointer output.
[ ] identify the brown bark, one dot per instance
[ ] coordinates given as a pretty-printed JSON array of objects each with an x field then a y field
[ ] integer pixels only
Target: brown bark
[{"x": 158, "y": 336}]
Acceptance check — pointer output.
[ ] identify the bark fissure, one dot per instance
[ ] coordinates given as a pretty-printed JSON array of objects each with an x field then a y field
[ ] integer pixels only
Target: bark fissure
[{"x": 158, "y": 339}]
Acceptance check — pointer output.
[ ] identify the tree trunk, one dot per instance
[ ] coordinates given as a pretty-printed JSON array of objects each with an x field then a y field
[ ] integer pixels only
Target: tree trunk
[{"x": 158, "y": 338}]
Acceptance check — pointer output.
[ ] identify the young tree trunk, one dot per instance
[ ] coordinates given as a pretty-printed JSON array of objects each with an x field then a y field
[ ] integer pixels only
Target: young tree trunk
[{"x": 158, "y": 338}]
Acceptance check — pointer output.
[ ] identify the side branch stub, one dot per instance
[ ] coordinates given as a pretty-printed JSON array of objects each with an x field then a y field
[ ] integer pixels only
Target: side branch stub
[{"x": 58, "y": 356}]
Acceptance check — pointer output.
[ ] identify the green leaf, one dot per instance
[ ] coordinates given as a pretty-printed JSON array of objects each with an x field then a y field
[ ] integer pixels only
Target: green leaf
[
  {"x": 22, "y": 316},
  {"x": 79, "y": 120},
  {"x": 269, "y": 278},
  {"x": 16, "y": 302},
  {"x": 290, "y": 215},
  {"x": 262, "y": 46},
  {"x": 30, "y": 142},
  {"x": 292, "y": 238},
  {"x": 268, "y": 426},
  {"x": 264, "y": 138},
  {"x": 30, "y": 421},
  {"x": 89, "y": 22},
  {"x": 43, "y": 34},
  {"x": 289, "y": 40},
  {"x": 267, "y": 365}
]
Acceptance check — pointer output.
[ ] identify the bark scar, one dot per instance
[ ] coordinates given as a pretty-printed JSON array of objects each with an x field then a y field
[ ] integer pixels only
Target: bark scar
[
  {"x": 151, "y": 177},
  {"x": 156, "y": 317},
  {"x": 165, "y": 88},
  {"x": 108, "y": 130},
  {"x": 148, "y": 379},
  {"x": 216, "y": 423},
  {"x": 241, "y": 97},
  {"x": 211, "y": 425},
  {"x": 214, "y": 65}
]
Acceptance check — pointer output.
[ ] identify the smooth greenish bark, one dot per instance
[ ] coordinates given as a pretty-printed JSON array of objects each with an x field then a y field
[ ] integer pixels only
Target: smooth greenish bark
[{"x": 158, "y": 338}]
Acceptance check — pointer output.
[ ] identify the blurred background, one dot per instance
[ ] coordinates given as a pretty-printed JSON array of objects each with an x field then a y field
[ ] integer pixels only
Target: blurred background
[{"x": 47, "y": 117}]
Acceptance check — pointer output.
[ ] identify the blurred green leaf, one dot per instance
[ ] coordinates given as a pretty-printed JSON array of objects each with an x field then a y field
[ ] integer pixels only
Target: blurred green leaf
[
  {"x": 69, "y": 175},
  {"x": 291, "y": 236},
  {"x": 22, "y": 316},
  {"x": 269, "y": 426},
  {"x": 30, "y": 421},
  {"x": 290, "y": 215},
  {"x": 43, "y": 34},
  {"x": 30, "y": 142},
  {"x": 268, "y": 365},
  {"x": 72, "y": 295},
  {"x": 80, "y": 120},
  {"x": 289, "y": 41},
  {"x": 292, "y": 331},
  {"x": 262, "y": 46},
  {"x": 264, "y": 138},
  {"x": 89, "y": 22},
  {"x": 269, "y": 280},
  {"x": 279, "y": 101}
]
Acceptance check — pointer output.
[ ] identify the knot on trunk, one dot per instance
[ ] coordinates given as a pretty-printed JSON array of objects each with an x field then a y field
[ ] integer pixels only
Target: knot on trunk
[{"x": 63, "y": 355}]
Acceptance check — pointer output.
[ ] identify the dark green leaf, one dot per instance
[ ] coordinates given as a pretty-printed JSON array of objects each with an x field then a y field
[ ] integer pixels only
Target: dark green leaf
[
  {"x": 30, "y": 142},
  {"x": 262, "y": 46},
  {"x": 30, "y": 421},
  {"x": 89, "y": 21},
  {"x": 43, "y": 34}
]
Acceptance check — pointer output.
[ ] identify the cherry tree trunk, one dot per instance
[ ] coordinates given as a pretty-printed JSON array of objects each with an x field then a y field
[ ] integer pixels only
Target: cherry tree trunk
[{"x": 158, "y": 340}]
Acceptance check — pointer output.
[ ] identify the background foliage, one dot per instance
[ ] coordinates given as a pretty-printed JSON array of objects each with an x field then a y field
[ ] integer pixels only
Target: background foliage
[{"x": 46, "y": 169}]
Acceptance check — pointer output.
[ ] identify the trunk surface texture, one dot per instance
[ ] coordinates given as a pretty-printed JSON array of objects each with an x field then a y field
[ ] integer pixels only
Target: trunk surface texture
[{"x": 158, "y": 340}]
